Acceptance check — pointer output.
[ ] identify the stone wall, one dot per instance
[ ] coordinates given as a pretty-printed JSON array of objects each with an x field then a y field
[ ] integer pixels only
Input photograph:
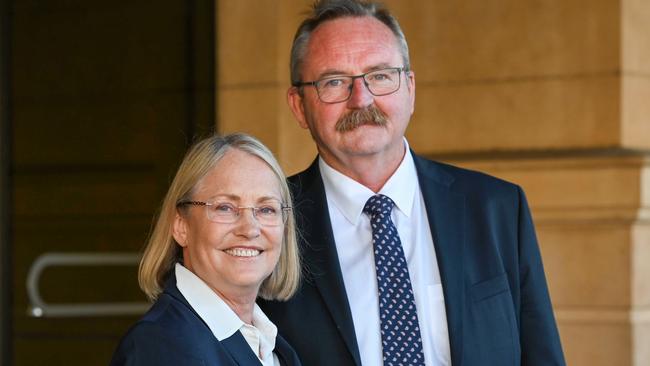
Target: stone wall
[{"x": 549, "y": 94}]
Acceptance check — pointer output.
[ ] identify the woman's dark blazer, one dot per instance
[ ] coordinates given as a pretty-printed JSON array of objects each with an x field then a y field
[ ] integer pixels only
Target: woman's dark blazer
[{"x": 171, "y": 333}]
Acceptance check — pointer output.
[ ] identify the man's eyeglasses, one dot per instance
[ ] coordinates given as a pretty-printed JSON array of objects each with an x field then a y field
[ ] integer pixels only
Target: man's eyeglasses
[
  {"x": 336, "y": 89},
  {"x": 272, "y": 213}
]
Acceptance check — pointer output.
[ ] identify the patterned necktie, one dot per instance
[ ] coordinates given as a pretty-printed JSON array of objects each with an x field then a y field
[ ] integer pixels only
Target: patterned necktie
[{"x": 400, "y": 330}]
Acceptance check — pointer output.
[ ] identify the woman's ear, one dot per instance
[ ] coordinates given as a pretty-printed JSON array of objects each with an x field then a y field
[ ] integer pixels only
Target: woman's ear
[{"x": 179, "y": 230}]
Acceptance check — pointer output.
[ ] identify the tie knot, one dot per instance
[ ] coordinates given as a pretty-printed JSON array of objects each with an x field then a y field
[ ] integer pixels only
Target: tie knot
[{"x": 378, "y": 204}]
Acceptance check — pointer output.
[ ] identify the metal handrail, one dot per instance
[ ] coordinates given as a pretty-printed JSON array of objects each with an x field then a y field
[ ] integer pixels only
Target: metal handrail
[{"x": 39, "y": 308}]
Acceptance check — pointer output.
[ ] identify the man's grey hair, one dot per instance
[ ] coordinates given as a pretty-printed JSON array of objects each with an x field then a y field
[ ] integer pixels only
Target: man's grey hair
[{"x": 324, "y": 10}]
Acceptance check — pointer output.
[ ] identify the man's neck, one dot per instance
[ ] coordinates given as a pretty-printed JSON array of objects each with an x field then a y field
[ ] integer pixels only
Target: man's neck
[{"x": 371, "y": 171}]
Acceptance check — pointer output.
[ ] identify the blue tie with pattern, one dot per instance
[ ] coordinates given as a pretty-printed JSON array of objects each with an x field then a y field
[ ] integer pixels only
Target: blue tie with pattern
[{"x": 400, "y": 330}]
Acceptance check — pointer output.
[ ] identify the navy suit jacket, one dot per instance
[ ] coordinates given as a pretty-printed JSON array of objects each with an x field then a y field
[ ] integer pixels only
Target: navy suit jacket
[
  {"x": 171, "y": 333},
  {"x": 497, "y": 303}
]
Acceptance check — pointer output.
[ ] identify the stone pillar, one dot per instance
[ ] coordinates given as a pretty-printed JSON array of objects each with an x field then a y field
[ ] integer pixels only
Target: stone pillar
[
  {"x": 551, "y": 94},
  {"x": 592, "y": 218},
  {"x": 253, "y": 44}
]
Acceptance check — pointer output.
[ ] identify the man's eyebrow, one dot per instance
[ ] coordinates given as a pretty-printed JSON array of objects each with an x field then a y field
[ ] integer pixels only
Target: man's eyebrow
[
  {"x": 331, "y": 72},
  {"x": 383, "y": 65},
  {"x": 335, "y": 72}
]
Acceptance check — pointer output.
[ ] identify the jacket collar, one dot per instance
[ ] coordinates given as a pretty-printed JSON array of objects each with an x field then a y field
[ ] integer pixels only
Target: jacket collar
[{"x": 235, "y": 345}]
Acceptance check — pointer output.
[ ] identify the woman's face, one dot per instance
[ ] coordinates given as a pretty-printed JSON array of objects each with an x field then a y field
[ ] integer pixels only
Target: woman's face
[{"x": 232, "y": 258}]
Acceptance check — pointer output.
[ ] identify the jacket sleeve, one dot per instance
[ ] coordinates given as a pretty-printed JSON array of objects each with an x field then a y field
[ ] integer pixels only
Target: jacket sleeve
[{"x": 539, "y": 338}]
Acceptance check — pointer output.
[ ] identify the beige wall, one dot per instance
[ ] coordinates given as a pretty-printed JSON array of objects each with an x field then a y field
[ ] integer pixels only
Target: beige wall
[{"x": 549, "y": 94}]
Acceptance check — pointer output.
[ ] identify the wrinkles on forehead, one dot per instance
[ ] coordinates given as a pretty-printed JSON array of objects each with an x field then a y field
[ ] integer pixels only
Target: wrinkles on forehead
[{"x": 350, "y": 46}]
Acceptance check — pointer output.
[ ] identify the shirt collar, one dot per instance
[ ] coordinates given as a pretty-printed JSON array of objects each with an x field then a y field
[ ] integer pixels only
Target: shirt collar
[
  {"x": 220, "y": 318},
  {"x": 268, "y": 332},
  {"x": 350, "y": 196}
]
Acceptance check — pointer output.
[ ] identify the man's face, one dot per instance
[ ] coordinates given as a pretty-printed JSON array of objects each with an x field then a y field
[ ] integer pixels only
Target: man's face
[{"x": 353, "y": 46}]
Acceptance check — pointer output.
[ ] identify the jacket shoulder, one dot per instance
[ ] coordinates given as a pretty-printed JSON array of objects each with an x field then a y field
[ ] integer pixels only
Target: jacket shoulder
[
  {"x": 470, "y": 183},
  {"x": 168, "y": 327}
]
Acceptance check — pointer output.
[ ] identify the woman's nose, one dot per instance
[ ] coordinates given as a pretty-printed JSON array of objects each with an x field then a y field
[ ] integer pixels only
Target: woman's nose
[{"x": 247, "y": 223}]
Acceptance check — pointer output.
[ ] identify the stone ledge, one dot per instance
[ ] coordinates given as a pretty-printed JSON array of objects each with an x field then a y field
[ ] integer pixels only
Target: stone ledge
[{"x": 603, "y": 316}]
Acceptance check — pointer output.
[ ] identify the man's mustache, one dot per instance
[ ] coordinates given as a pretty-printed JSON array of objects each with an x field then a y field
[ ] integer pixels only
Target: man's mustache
[{"x": 370, "y": 115}]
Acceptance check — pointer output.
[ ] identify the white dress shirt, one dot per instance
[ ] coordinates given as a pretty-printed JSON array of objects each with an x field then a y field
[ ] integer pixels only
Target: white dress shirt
[
  {"x": 352, "y": 233},
  {"x": 222, "y": 320}
]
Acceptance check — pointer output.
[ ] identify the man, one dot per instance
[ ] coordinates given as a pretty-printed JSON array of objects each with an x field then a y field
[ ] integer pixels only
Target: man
[{"x": 445, "y": 269}]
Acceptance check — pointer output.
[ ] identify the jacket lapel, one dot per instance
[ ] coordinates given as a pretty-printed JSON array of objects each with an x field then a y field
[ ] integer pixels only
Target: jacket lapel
[
  {"x": 239, "y": 350},
  {"x": 319, "y": 252},
  {"x": 236, "y": 345},
  {"x": 173, "y": 291},
  {"x": 285, "y": 353},
  {"x": 446, "y": 213}
]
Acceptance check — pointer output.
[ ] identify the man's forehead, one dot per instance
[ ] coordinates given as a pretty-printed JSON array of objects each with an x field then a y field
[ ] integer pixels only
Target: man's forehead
[
  {"x": 351, "y": 30},
  {"x": 358, "y": 42}
]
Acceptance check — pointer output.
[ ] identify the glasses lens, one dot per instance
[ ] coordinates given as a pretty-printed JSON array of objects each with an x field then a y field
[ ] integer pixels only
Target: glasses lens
[
  {"x": 268, "y": 214},
  {"x": 382, "y": 82},
  {"x": 222, "y": 212},
  {"x": 335, "y": 89},
  {"x": 339, "y": 88}
]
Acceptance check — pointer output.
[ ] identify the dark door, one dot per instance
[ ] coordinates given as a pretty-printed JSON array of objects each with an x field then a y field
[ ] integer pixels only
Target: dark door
[{"x": 105, "y": 97}]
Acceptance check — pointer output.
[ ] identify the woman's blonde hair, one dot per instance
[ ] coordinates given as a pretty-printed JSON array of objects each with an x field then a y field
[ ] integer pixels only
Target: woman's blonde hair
[{"x": 162, "y": 251}]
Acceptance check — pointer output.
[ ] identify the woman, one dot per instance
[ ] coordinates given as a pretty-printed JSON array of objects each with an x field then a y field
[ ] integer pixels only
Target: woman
[{"x": 225, "y": 235}]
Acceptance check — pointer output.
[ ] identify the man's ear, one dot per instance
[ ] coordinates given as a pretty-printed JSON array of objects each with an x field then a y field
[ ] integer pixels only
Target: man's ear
[
  {"x": 410, "y": 83},
  {"x": 179, "y": 230},
  {"x": 295, "y": 101}
]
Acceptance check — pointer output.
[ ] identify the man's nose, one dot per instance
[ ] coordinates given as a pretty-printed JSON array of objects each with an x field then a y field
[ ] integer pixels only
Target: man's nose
[{"x": 360, "y": 96}]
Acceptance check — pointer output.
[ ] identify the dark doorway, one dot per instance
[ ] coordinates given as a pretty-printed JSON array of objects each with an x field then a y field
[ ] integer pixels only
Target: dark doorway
[
  {"x": 5, "y": 188},
  {"x": 105, "y": 97}
]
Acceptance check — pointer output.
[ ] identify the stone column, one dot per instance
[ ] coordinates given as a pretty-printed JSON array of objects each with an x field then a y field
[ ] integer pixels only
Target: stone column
[
  {"x": 253, "y": 44},
  {"x": 553, "y": 95}
]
